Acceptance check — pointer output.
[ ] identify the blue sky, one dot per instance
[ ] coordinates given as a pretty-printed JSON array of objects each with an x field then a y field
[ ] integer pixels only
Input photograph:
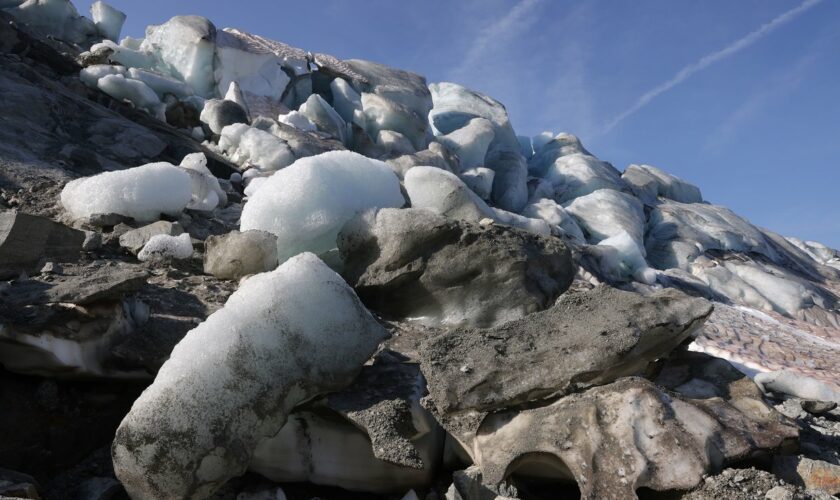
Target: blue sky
[{"x": 746, "y": 107}]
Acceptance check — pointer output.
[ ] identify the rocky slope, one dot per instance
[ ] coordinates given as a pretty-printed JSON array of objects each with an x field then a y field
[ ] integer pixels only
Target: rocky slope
[{"x": 237, "y": 269}]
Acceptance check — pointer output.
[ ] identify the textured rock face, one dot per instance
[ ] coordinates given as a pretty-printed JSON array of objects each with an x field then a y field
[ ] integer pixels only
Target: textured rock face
[
  {"x": 26, "y": 239},
  {"x": 587, "y": 338},
  {"x": 233, "y": 379},
  {"x": 413, "y": 263},
  {"x": 630, "y": 434}
]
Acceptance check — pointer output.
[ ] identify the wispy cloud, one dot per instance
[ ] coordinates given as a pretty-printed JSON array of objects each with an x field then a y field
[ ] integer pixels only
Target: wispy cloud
[
  {"x": 709, "y": 59},
  {"x": 486, "y": 44}
]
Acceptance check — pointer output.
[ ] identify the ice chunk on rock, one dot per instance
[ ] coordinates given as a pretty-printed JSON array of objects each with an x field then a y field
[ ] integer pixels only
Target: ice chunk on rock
[
  {"x": 247, "y": 145},
  {"x": 306, "y": 203},
  {"x": 605, "y": 213},
  {"x": 58, "y": 18},
  {"x": 412, "y": 263},
  {"x": 649, "y": 182},
  {"x": 444, "y": 193},
  {"x": 297, "y": 120},
  {"x": 90, "y": 75},
  {"x": 219, "y": 113},
  {"x": 282, "y": 338},
  {"x": 142, "y": 193},
  {"x": 161, "y": 84},
  {"x": 185, "y": 47},
  {"x": 108, "y": 20},
  {"x": 470, "y": 142},
  {"x": 163, "y": 246},
  {"x": 207, "y": 194}
]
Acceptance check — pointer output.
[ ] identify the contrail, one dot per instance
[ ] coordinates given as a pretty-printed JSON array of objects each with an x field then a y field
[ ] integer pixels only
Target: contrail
[{"x": 712, "y": 58}]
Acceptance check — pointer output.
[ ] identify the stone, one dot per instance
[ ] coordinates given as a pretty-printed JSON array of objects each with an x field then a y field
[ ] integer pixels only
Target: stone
[
  {"x": 411, "y": 263},
  {"x": 134, "y": 240},
  {"x": 630, "y": 434},
  {"x": 219, "y": 113},
  {"x": 812, "y": 474},
  {"x": 234, "y": 255},
  {"x": 779, "y": 493},
  {"x": 587, "y": 338},
  {"x": 16, "y": 485},
  {"x": 815, "y": 407},
  {"x": 25, "y": 240},
  {"x": 467, "y": 485}
]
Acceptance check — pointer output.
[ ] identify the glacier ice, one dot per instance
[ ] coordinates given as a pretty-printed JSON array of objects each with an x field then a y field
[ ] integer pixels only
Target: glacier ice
[
  {"x": 526, "y": 147},
  {"x": 297, "y": 120},
  {"x": 246, "y": 145},
  {"x": 384, "y": 114},
  {"x": 443, "y": 192},
  {"x": 58, "y": 18},
  {"x": 135, "y": 91},
  {"x": 606, "y": 213},
  {"x": 576, "y": 175},
  {"x": 161, "y": 84},
  {"x": 127, "y": 56},
  {"x": 108, "y": 20},
  {"x": 319, "y": 112},
  {"x": 394, "y": 142},
  {"x": 142, "y": 193},
  {"x": 207, "y": 194},
  {"x": 234, "y": 93},
  {"x": 552, "y": 148},
  {"x": 470, "y": 142},
  {"x": 455, "y": 105},
  {"x": 540, "y": 140},
  {"x": 185, "y": 47},
  {"x": 282, "y": 338},
  {"x": 219, "y": 113},
  {"x": 479, "y": 180},
  {"x": 164, "y": 246},
  {"x": 404, "y": 88},
  {"x": 648, "y": 183},
  {"x": 510, "y": 183},
  {"x": 90, "y": 76},
  {"x": 621, "y": 258},
  {"x": 307, "y": 203},
  {"x": 556, "y": 216},
  {"x": 346, "y": 100}
]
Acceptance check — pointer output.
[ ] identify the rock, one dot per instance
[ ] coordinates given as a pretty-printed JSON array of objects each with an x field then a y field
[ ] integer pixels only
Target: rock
[
  {"x": 617, "y": 438},
  {"x": 796, "y": 384},
  {"x": 14, "y": 485},
  {"x": 815, "y": 407},
  {"x": 587, "y": 338},
  {"x": 812, "y": 474},
  {"x": 234, "y": 255},
  {"x": 648, "y": 183},
  {"x": 779, "y": 493},
  {"x": 467, "y": 485},
  {"x": 198, "y": 424},
  {"x": 219, "y": 113},
  {"x": 68, "y": 325},
  {"x": 134, "y": 240},
  {"x": 410, "y": 263},
  {"x": 372, "y": 436},
  {"x": 93, "y": 241},
  {"x": 50, "y": 268},
  {"x": 107, "y": 220},
  {"x": 25, "y": 240}
]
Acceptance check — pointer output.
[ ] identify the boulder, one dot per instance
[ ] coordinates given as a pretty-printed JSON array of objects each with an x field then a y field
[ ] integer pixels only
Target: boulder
[
  {"x": 614, "y": 439},
  {"x": 25, "y": 240},
  {"x": 282, "y": 338},
  {"x": 587, "y": 338},
  {"x": 812, "y": 474},
  {"x": 219, "y": 113},
  {"x": 411, "y": 263},
  {"x": 234, "y": 255}
]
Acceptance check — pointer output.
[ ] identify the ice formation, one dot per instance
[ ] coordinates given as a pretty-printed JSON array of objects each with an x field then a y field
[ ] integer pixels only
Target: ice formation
[
  {"x": 306, "y": 203},
  {"x": 282, "y": 338},
  {"x": 297, "y": 120},
  {"x": 247, "y": 145},
  {"x": 605, "y": 213},
  {"x": 185, "y": 47},
  {"x": 122, "y": 88},
  {"x": 108, "y": 20},
  {"x": 649, "y": 182},
  {"x": 576, "y": 175},
  {"x": 207, "y": 194},
  {"x": 470, "y": 142},
  {"x": 142, "y": 193},
  {"x": 319, "y": 112},
  {"x": 163, "y": 246}
]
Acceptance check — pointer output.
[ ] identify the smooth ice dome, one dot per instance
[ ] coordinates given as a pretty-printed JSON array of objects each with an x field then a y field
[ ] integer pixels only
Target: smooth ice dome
[
  {"x": 246, "y": 145},
  {"x": 649, "y": 182},
  {"x": 164, "y": 246},
  {"x": 307, "y": 203},
  {"x": 142, "y": 193},
  {"x": 282, "y": 338}
]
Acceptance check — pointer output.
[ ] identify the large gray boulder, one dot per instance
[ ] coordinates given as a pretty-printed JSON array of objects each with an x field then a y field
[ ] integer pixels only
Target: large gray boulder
[
  {"x": 411, "y": 263},
  {"x": 26, "y": 239},
  {"x": 588, "y": 338},
  {"x": 631, "y": 434},
  {"x": 234, "y": 255},
  {"x": 282, "y": 338}
]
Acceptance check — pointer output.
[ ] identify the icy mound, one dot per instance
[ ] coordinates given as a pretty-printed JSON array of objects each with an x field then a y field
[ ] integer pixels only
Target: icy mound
[
  {"x": 576, "y": 175},
  {"x": 247, "y": 145},
  {"x": 606, "y": 213},
  {"x": 306, "y": 203},
  {"x": 649, "y": 182},
  {"x": 164, "y": 246},
  {"x": 185, "y": 47},
  {"x": 282, "y": 338},
  {"x": 142, "y": 193}
]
